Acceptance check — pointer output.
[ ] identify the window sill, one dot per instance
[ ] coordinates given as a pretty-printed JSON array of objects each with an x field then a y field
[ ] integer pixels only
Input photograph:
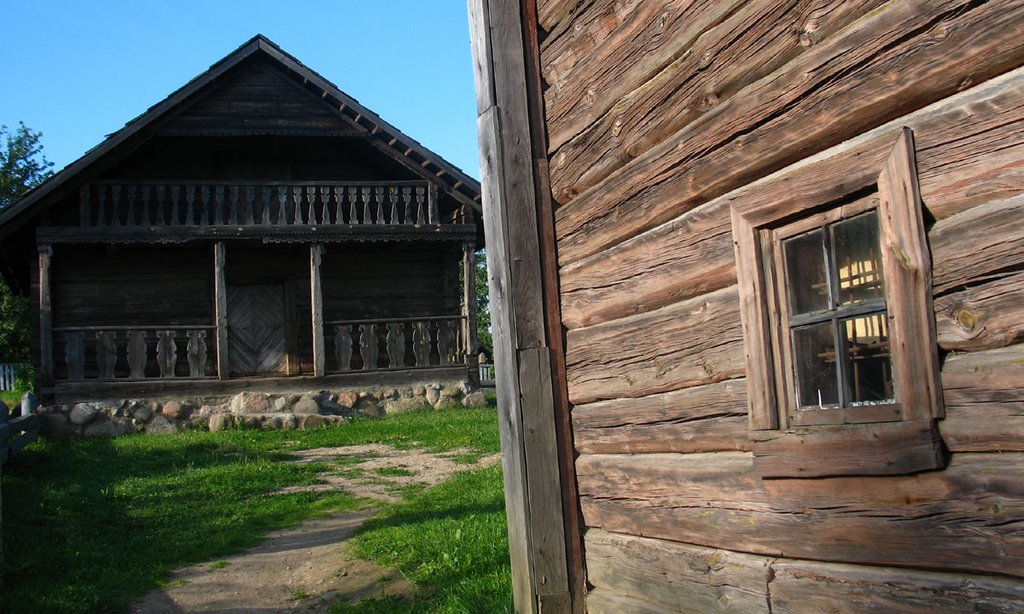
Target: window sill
[{"x": 893, "y": 448}]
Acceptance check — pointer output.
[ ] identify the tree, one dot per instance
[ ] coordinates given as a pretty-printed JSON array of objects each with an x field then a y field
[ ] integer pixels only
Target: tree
[
  {"x": 483, "y": 312},
  {"x": 22, "y": 163},
  {"x": 22, "y": 167}
]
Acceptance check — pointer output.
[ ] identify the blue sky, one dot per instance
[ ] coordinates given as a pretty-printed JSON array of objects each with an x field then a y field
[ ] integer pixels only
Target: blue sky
[{"x": 79, "y": 70}]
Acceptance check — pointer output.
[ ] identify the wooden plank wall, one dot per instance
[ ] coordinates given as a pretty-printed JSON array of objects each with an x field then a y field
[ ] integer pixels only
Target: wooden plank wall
[{"x": 657, "y": 114}]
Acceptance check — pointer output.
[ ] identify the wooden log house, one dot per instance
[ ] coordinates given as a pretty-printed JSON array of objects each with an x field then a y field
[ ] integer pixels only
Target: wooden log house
[
  {"x": 258, "y": 227},
  {"x": 764, "y": 266}
]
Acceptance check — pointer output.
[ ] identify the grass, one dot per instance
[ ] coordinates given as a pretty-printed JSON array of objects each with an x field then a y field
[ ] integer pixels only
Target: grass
[
  {"x": 10, "y": 398},
  {"x": 90, "y": 525}
]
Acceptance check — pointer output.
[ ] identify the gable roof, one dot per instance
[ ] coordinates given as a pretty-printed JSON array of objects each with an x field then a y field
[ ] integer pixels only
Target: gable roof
[{"x": 382, "y": 135}]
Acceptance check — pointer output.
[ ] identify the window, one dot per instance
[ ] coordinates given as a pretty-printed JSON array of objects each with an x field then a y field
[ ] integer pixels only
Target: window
[{"x": 835, "y": 289}]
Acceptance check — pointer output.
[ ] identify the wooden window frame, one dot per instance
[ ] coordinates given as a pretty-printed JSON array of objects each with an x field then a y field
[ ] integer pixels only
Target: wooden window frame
[{"x": 904, "y": 443}]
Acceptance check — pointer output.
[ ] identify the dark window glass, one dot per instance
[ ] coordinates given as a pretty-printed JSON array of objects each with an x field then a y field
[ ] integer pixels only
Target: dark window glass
[
  {"x": 868, "y": 367},
  {"x": 806, "y": 273},
  {"x": 815, "y": 355},
  {"x": 858, "y": 262}
]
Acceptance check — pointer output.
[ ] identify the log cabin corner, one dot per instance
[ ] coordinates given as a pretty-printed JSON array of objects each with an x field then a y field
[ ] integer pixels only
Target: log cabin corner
[
  {"x": 258, "y": 227},
  {"x": 758, "y": 270}
]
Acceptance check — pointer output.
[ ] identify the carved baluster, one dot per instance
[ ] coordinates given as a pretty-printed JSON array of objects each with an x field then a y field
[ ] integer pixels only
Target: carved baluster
[
  {"x": 233, "y": 203},
  {"x": 396, "y": 345},
  {"x": 190, "y": 202},
  {"x": 248, "y": 206},
  {"x": 432, "y": 205},
  {"x": 130, "y": 218},
  {"x": 311, "y": 205},
  {"x": 106, "y": 354},
  {"x": 204, "y": 205},
  {"x": 137, "y": 350},
  {"x": 368, "y": 345},
  {"x": 144, "y": 219},
  {"x": 74, "y": 354},
  {"x": 282, "y": 205},
  {"x": 445, "y": 341},
  {"x": 421, "y": 343},
  {"x": 266, "y": 205},
  {"x": 379, "y": 197},
  {"x": 395, "y": 210},
  {"x": 353, "y": 196},
  {"x": 196, "y": 353},
  {"x": 408, "y": 204},
  {"x": 84, "y": 208},
  {"x": 166, "y": 352},
  {"x": 367, "y": 214},
  {"x": 101, "y": 205},
  {"x": 421, "y": 215},
  {"x": 175, "y": 191},
  {"x": 161, "y": 218},
  {"x": 115, "y": 202},
  {"x": 218, "y": 204},
  {"x": 339, "y": 195},
  {"x": 297, "y": 204},
  {"x": 343, "y": 346}
]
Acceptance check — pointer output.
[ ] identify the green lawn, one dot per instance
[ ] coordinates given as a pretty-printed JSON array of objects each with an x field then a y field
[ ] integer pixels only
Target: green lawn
[{"x": 90, "y": 525}]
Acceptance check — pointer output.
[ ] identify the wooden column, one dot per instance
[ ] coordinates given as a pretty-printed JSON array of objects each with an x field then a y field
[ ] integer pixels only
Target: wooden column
[
  {"x": 317, "y": 307},
  {"x": 522, "y": 351},
  {"x": 469, "y": 310},
  {"x": 220, "y": 296},
  {"x": 45, "y": 317}
]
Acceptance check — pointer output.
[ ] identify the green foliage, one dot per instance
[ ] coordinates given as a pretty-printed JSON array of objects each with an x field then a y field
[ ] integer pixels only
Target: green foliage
[
  {"x": 22, "y": 163},
  {"x": 483, "y": 313},
  {"x": 15, "y": 326}
]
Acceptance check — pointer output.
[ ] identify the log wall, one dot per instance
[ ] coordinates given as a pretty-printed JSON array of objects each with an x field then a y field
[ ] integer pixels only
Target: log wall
[{"x": 659, "y": 115}]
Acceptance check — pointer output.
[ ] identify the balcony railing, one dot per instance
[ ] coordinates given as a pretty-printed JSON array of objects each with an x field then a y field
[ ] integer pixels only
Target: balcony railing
[
  {"x": 135, "y": 352},
  {"x": 396, "y": 343},
  {"x": 146, "y": 204}
]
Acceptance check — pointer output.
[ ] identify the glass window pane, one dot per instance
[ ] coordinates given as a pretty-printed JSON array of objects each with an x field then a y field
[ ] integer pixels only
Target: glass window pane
[
  {"x": 805, "y": 273},
  {"x": 858, "y": 259},
  {"x": 869, "y": 369},
  {"x": 815, "y": 357}
]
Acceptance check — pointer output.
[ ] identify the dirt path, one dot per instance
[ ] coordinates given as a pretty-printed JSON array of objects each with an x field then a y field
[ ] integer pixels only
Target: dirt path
[{"x": 308, "y": 568}]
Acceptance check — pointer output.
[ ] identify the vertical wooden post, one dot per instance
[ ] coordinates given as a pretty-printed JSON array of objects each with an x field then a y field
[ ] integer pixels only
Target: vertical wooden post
[
  {"x": 522, "y": 351},
  {"x": 469, "y": 309},
  {"x": 220, "y": 295},
  {"x": 316, "y": 251},
  {"x": 45, "y": 317}
]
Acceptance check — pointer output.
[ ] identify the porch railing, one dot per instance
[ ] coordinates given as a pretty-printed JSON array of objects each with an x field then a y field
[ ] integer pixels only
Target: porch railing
[
  {"x": 395, "y": 343},
  {"x": 135, "y": 352},
  {"x": 189, "y": 203}
]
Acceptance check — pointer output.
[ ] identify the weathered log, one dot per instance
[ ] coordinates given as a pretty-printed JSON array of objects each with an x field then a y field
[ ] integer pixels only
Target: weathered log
[
  {"x": 982, "y": 317},
  {"x": 641, "y": 108},
  {"x": 811, "y": 586},
  {"x": 960, "y": 165},
  {"x": 550, "y": 12},
  {"x": 984, "y": 401},
  {"x": 734, "y": 144},
  {"x": 967, "y": 517},
  {"x": 691, "y": 343},
  {"x": 978, "y": 242},
  {"x": 602, "y": 601},
  {"x": 677, "y": 577},
  {"x": 708, "y": 418}
]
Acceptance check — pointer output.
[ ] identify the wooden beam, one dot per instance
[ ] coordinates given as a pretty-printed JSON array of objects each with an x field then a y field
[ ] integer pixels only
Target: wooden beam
[
  {"x": 469, "y": 308},
  {"x": 316, "y": 251},
  {"x": 45, "y": 317},
  {"x": 220, "y": 298}
]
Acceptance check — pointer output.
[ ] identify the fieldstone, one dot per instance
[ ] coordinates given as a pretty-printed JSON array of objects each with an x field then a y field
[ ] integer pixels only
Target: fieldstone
[
  {"x": 250, "y": 403},
  {"x": 160, "y": 425},
  {"x": 142, "y": 412},
  {"x": 418, "y": 391},
  {"x": 307, "y": 405},
  {"x": 221, "y": 422},
  {"x": 474, "y": 399},
  {"x": 55, "y": 425},
  {"x": 82, "y": 413},
  {"x": 401, "y": 406},
  {"x": 29, "y": 403},
  {"x": 432, "y": 395},
  {"x": 280, "y": 404},
  {"x": 446, "y": 400},
  {"x": 289, "y": 421},
  {"x": 347, "y": 399},
  {"x": 105, "y": 428},
  {"x": 369, "y": 408},
  {"x": 172, "y": 410},
  {"x": 391, "y": 393},
  {"x": 312, "y": 422}
]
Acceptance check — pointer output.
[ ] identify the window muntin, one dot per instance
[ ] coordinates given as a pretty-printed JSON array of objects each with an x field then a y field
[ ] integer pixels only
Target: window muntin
[{"x": 835, "y": 312}]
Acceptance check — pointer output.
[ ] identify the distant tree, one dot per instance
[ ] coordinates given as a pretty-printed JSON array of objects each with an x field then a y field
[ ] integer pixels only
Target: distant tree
[
  {"x": 22, "y": 167},
  {"x": 483, "y": 312},
  {"x": 22, "y": 163}
]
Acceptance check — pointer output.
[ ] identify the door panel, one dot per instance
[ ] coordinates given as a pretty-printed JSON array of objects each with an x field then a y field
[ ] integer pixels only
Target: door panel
[{"x": 256, "y": 330}]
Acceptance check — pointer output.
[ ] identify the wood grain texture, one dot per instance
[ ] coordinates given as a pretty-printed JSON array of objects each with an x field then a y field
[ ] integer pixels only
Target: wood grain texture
[
  {"x": 629, "y": 106},
  {"x": 702, "y": 419},
  {"x": 691, "y": 343},
  {"x": 602, "y": 601},
  {"x": 970, "y": 152},
  {"x": 984, "y": 316},
  {"x": 966, "y": 518},
  {"x": 981, "y": 241},
  {"x": 551, "y": 12},
  {"x": 813, "y": 587},
  {"x": 735, "y": 143},
  {"x": 256, "y": 329},
  {"x": 220, "y": 310},
  {"x": 676, "y": 577},
  {"x": 984, "y": 400}
]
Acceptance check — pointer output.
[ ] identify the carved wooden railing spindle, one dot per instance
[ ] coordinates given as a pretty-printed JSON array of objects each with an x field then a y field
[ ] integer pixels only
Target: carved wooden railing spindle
[
  {"x": 343, "y": 346},
  {"x": 101, "y": 205},
  {"x": 115, "y": 202},
  {"x": 196, "y": 353},
  {"x": 175, "y": 195},
  {"x": 250, "y": 205},
  {"x": 368, "y": 348},
  {"x": 233, "y": 205},
  {"x": 265, "y": 204},
  {"x": 106, "y": 354},
  {"x": 74, "y": 355},
  {"x": 367, "y": 214},
  {"x": 379, "y": 194},
  {"x": 137, "y": 354},
  {"x": 190, "y": 200},
  {"x": 445, "y": 342},
  {"x": 311, "y": 204},
  {"x": 393, "y": 200},
  {"x": 421, "y": 343},
  {"x": 166, "y": 352},
  {"x": 160, "y": 217},
  {"x": 421, "y": 215},
  {"x": 396, "y": 345}
]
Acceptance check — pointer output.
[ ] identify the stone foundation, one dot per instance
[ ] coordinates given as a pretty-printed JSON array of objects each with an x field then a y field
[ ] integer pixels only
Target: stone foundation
[{"x": 111, "y": 418}]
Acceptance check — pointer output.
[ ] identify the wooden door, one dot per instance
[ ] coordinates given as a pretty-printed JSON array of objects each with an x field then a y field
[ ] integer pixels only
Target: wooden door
[{"x": 256, "y": 330}]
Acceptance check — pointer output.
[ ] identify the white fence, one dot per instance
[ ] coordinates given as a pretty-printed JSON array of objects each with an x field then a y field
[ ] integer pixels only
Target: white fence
[
  {"x": 487, "y": 374},
  {"x": 9, "y": 375}
]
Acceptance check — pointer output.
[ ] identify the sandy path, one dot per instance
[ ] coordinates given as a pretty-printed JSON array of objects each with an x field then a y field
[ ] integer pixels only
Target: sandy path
[{"x": 307, "y": 568}]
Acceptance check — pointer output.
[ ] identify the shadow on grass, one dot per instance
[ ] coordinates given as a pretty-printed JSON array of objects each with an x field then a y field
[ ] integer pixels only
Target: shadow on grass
[{"x": 91, "y": 525}]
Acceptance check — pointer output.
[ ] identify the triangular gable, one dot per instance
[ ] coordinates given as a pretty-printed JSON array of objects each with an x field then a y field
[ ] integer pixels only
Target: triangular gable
[{"x": 382, "y": 135}]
